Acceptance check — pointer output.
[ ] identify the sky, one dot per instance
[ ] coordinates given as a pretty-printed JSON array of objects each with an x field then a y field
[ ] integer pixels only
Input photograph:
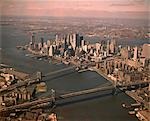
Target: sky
[{"x": 76, "y": 8}]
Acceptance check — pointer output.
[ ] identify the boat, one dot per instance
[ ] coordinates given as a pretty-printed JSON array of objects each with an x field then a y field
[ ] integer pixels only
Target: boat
[
  {"x": 131, "y": 112},
  {"x": 123, "y": 105}
]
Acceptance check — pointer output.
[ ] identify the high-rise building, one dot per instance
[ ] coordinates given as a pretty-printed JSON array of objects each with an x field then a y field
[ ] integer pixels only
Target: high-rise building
[
  {"x": 32, "y": 42},
  {"x": 82, "y": 43},
  {"x": 32, "y": 39},
  {"x": 57, "y": 39},
  {"x": 68, "y": 39},
  {"x": 76, "y": 41},
  {"x": 85, "y": 48},
  {"x": 135, "y": 56},
  {"x": 51, "y": 51},
  {"x": 42, "y": 41},
  {"x": 108, "y": 47},
  {"x": 65, "y": 43},
  {"x": 98, "y": 47},
  {"x": 146, "y": 51},
  {"x": 113, "y": 46},
  {"x": 48, "y": 43}
]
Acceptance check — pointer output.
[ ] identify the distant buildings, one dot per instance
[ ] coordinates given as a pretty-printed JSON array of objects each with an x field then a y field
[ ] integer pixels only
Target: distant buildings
[
  {"x": 122, "y": 63},
  {"x": 146, "y": 51}
]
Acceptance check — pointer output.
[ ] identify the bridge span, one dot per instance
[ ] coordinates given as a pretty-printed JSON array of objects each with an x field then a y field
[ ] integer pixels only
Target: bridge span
[
  {"x": 52, "y": 99},
  {"x": 34, "y": 78}
]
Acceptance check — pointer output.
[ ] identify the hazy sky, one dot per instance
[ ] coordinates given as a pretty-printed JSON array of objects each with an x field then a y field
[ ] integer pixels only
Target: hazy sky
[{"x": 83, "y": 8}]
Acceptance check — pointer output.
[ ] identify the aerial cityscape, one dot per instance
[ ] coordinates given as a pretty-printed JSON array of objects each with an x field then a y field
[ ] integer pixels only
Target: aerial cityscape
[{"x": 76, "y": 60}]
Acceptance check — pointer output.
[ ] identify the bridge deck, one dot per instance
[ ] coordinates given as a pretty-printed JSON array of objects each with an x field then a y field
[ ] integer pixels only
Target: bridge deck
[{"x": 88, "y": 91}]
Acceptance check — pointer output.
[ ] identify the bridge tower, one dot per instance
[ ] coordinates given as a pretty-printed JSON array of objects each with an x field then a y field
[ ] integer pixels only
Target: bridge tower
[
  {"x": 53, "y": 97},
  {"x": 114, "y": 91},
  {"x": 39, "y": 76}
]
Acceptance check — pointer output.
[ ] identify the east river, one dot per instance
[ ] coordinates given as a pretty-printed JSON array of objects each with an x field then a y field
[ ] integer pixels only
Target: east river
[{"x": 95, "y": 107}]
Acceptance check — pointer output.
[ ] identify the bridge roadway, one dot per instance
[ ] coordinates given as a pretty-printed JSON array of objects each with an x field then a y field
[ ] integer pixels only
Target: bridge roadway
[
  {"x": 32, "y": 80},
  {"x": 59, "y": 71},
  {"x": 87, "y": 91},
  {"x": 27, "y": 105}
]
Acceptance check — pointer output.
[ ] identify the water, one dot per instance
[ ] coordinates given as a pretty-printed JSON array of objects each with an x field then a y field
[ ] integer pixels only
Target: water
[{"x": 95, "y": 107}]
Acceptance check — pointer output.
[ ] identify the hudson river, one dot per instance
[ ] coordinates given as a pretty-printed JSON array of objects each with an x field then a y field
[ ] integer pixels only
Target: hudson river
[{"x": 95, "y": 107}]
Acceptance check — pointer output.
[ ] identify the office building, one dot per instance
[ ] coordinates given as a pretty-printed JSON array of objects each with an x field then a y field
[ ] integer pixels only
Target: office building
[
  {"x": 146, "y": 51},
  {"x": 135, "y": 56}
]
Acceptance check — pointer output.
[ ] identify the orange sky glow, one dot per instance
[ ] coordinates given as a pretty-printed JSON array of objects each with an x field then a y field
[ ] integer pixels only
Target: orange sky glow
[{"x": 81, "y": 8}]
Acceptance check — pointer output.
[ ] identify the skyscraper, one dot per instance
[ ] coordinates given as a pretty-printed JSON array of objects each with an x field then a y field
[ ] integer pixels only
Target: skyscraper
[
  {"x": 146, "y": 51},
  {"x": 42, "y": 41},
  {"x": 76, "y": 41},
  {"x": 51, "y": 51},
  {"x": 32, "y": 42},
  {"x": 108, "y": 47},
  {"x": 112, "y": 46},
  {"x": 135, "y": 54},
  {"x": 32, "y": 39}
]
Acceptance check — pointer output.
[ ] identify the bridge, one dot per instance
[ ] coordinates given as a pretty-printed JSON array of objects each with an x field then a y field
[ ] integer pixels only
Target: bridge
[
  {"x": 34, "y": 78},
  {"x": 53, "y": 98}
]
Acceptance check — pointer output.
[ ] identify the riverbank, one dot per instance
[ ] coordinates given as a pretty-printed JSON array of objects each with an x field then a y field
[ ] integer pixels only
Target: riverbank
[
  {"x": 102, "y": 74},
  {"x": 141, "y": 114}
]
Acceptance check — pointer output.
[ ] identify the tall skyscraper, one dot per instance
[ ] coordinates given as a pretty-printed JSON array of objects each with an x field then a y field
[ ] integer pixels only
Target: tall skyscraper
[
  {"x": 51, "y": 51},
  {"x": 32, "y": 42},
  {"x": 113, "y": 46},
  {"x": 76, "y": 41},
  {"x": 135, "y": 54},
  {"x": 82, "y": 43},
  {"x": 42, "y": 41},
  {"x": 32, "y": 39},
  {"x": 98, "y": 47},
  {"x": 68, "y": 39},
  {"x": 108, "y": 47},
  {"x": 57, "y": 39}
]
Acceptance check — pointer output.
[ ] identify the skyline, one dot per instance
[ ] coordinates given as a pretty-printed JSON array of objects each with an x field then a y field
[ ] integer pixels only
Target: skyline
[{"x": 77, "y": 8}]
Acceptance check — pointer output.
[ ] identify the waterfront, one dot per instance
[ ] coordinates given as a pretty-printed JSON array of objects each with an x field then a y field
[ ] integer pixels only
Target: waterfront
[{"x": 100, "y": 108}]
